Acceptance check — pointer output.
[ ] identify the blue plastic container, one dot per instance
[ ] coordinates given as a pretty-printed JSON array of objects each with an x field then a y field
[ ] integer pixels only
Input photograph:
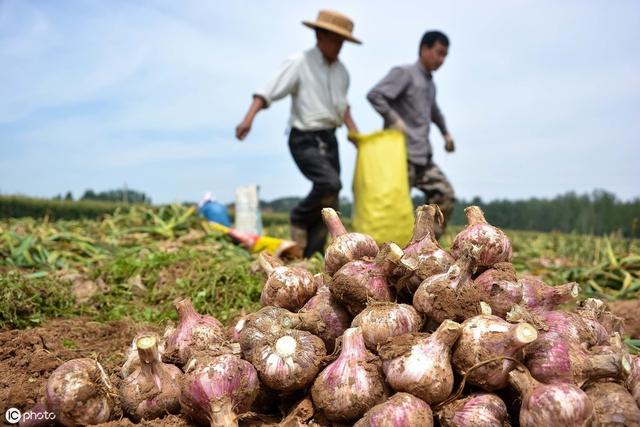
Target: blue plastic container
[{"x": 215, "y": 212}]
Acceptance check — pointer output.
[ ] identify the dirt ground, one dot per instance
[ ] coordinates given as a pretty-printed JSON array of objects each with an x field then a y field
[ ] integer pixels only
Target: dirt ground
[
  {"x": 27, "y": 358},
  {"x": 630, "y": 312}
]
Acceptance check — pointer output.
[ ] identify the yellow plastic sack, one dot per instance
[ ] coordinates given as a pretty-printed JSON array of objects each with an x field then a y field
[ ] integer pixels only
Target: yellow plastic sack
[{"x": 382, "y": 203}]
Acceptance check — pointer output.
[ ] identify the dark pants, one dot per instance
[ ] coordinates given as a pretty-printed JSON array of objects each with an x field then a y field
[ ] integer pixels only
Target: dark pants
[
  {"x": 436, "y": 188},
  {"x": 316, "y": 154}
]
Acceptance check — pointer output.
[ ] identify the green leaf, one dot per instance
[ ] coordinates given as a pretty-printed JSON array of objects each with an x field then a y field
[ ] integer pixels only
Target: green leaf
[{"x": 37, "y": 275}]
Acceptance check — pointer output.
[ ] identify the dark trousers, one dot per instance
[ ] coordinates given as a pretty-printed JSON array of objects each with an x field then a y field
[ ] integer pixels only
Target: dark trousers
[
  {"x": 436, "y": 188},
  {"x": 316, "y": 155}
]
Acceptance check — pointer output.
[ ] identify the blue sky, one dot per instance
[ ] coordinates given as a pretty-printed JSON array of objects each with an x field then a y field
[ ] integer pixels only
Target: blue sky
[{"x": 542, "y": 97}]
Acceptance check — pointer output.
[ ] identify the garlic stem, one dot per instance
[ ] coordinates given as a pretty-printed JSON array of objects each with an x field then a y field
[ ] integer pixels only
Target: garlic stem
[{"x": 333, "y": 223}]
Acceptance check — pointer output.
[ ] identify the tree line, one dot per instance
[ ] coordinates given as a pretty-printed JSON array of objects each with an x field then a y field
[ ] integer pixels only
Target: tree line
[
  {"x": 599, "y": 212},
  {"x": 120, "y": 195}
]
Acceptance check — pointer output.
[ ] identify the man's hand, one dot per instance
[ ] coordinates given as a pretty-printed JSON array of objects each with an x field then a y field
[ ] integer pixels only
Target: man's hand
[
  {"x": 352, "y": 136},
  {"x": 398, "y": 124},
  {"x": 448, "y": 143},
  {"x": 242, "y": 130},
  {"x": 352, "y": 129}
]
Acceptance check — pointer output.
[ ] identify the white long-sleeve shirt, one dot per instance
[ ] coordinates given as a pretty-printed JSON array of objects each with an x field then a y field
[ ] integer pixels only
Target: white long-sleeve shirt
[{"x": 318, "y": 90}]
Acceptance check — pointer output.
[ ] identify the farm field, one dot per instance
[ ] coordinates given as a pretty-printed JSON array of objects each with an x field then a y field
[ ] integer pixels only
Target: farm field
[{"x": 84, "y": 288}]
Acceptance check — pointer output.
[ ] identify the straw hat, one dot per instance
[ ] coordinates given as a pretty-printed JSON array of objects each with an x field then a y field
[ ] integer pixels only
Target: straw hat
[{"x": 335, "y": 22}]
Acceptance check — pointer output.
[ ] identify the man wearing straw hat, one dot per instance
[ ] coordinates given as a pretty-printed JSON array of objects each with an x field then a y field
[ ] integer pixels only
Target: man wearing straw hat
[
  {"x": 406, "y": 100},
  {"x": 317, "y": 82}
]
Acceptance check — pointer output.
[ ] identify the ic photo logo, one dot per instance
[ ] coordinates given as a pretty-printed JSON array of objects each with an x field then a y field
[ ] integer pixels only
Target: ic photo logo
[{"x": 13, "y": 415}]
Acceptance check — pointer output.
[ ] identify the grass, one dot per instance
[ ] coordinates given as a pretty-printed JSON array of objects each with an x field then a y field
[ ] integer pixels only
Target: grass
[
  {"x": 28, "y": 301},
  {"x": 136, "y": 263},
  {"x": 216, "y": 276},
  {"x": 606, "y": 267}
]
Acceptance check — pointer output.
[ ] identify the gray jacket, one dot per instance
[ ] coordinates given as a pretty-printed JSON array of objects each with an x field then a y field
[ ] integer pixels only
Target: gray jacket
[{"x": 408, "y": 91}]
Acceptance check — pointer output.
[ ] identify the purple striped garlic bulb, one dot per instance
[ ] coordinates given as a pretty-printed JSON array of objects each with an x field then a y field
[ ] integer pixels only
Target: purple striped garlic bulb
[
  {"x": 288, "y": 360},
  {"x": 253, "y": 328},
  {"x": 194, "y": 332},
  {"x": 420, "y": 363},
  {"x": 383, "y": 320},
  {"x": 133, "y": 360},
  {"x": 555, "y": 358},
  {"x": 153, "y": 389},
  {"x": 540, "y": 296},
  {"x": 575, "y": 328},
  {"x": 344, "y": 247},
  {"x": 613, "y": 404},
  {"x": 485, "y": 337},
  {"x": 484, "y": 243},
  {"x": 400, "y": 410},
  {"x": 359, "y": 282},
  {"x": 336, "y": 318},
  {"x": 351, "y": 385},
  {"x": 452, "y": 295},
  {"x": 219, "y": 391},
  {"x": 78, "y": 392},
  {"x": 286, "y": 287},
  {"x": 423, "y": 256},
  {"x": 475, "y": 410},
  {"x": 551, "y": 405},
  {"x": 499, "y": 288}
]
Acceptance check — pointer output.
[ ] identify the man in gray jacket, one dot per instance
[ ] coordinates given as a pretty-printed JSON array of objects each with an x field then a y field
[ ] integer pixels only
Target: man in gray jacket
[{"x": 406, "y": 100}]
